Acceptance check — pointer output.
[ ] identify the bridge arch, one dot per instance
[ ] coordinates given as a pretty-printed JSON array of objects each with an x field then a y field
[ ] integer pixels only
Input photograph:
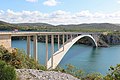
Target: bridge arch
[
  {"x": 89, "y": 37},
  {"x": 58, "y": 55}
]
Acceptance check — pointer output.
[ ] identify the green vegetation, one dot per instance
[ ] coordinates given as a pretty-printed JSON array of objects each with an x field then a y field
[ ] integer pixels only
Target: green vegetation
[
  {"x": 114, "y": 73},
  {"x": 15, "y": 59},
  {"x": 28, "y": 27},
  {"x": 7, "y": 72},
  {"x": 9, "y": 60},
  {"x": 70, "y": 69},
  {"x": 18, "y": 59}
]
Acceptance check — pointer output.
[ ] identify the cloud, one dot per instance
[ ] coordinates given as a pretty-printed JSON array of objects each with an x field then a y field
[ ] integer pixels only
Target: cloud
[
  {"x": 32, "y": 0},
  {"x": 51, "y": 3},
  {"x": 59, "y": 17},
  {"x": 118, "y": 1}
]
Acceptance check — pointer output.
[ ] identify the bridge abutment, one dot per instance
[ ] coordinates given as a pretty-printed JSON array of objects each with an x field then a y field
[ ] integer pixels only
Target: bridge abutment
[{"x": 5, "y": 40}]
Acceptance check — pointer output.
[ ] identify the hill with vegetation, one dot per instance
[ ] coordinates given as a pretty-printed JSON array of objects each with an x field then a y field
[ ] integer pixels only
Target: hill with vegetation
[
  {"x": 4, "y": 26},
  {"x": 92, "y": 27},
  {"x": 35, "y": 24}
]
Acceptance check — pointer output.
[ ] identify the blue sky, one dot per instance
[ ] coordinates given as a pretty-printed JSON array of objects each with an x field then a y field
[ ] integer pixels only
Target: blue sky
[{"x": 60, "y": 11}]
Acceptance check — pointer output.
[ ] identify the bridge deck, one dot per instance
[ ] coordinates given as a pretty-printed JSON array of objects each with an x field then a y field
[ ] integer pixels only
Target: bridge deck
[{"x": 20, "y": 33}]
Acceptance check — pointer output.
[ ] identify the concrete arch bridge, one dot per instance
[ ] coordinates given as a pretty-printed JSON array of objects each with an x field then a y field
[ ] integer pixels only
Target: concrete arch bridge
[
  {"x": 58, "y": 55},
  {"x": 68, "y": 40}
]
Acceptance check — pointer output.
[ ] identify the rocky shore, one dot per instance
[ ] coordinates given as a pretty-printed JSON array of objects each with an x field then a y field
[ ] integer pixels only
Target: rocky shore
[{"x": 31, "y": 74}]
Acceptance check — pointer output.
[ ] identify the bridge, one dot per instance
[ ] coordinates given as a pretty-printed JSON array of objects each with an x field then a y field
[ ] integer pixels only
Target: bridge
[{"x": 68, "y": 40}]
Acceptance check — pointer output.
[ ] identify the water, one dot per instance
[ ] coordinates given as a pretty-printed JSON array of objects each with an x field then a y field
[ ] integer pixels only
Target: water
[{"x": 83, "y": 57}]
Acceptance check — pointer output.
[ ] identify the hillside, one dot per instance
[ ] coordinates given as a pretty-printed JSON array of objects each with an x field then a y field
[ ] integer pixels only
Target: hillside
[
  {"x": 28, "y": 27},
  {"x": 48, "y": 27},
  {"x": 2, "y": 23},
  {"x": 35, "y": 24},
  {"x": 106, "y": 26},
  {"x": 6, "y": 26}
]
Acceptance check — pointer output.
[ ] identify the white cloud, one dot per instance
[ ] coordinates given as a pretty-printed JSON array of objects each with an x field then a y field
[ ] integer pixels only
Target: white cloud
[
  {"x": 59, "y": 17},
  {"x": 32, "y": 0},
  {"x": 51, "y": 3},
  {"x": 118, "y": 1},
  {"x": 84, "y": 14}
]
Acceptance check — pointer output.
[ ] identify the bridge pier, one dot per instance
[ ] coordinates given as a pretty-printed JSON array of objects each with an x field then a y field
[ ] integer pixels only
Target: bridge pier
[
  {"x": 35, "y": 47},
  {"x": 28, "y": 46},
  {"x": 71, "y": 37},
  {"x": 67, "y": 37},
  {"x": 52, "y": 49},
  {"x": 63, "y": 41},
  {"x": 58, "y": 42},
  {"x": 46, "y": 51}
]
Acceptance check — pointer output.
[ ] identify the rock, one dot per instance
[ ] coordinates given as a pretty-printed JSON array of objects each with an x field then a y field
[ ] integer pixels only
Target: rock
[{"x": 31, "y": 74}]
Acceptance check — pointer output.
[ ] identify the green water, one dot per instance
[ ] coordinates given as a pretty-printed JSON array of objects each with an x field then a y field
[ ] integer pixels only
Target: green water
[{"x": 83, "y": 57}]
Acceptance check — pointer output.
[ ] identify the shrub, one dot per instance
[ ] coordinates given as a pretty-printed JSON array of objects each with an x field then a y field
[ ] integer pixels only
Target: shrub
[
  {"x": 7, "y": 72},
  {"x": 114, "y": 73},
  {"x": 79, "y": 74},
  {"x": 23, "y": 61},
  {"x": 18, "y": 59},
  {"x": 93, "y": 76},
  {"x": 74, "y": 71},
  {"x": 70, "y": 69}
]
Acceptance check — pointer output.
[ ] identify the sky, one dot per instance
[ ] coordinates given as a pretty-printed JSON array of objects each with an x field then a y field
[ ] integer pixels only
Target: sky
[{"x": 60, "y": 11}]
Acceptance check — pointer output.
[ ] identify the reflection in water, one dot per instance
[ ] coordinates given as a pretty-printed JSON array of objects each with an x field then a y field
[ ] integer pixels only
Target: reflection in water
[
  {"x": 93, "y": 60},
  {"x": 94, "y": 52}
]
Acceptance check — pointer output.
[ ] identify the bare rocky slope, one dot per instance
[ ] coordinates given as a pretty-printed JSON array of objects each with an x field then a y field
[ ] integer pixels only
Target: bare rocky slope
[{"x": 30, "y": 74}]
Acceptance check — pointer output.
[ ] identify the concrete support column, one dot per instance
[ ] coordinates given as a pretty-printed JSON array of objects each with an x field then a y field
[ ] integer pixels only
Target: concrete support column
[
  {"x": 67, "y": 38},
  {"x": 71, "y": 37},
  {"x": 28, "y": 46},
  {"x": 46, "y": 50},
  {"x": 58, "y": 42},
  {"x": 10, "y": 40},
  {"x": 35, "y": 47},
  {"x": 63, "y": 40},
  {"x": 52, "y": 49}
]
